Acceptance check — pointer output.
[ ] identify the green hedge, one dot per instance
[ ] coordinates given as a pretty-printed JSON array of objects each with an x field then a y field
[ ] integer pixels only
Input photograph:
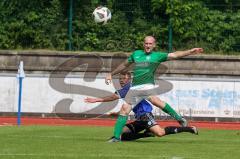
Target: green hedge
[{"x": 31, "y": 24}]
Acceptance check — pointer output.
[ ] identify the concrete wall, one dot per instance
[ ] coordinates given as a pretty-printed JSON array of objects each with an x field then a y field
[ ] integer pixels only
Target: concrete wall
[
  {"x": 58, "y": 82},
  {"x": 47, "y": 61}
]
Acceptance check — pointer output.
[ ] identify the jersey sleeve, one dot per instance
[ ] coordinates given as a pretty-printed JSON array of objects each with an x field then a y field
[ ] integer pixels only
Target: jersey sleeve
[
  {"x": 121, "y": 93},
  {"x": 164, "y": 56},
  {"x": 131, "y": 58}
]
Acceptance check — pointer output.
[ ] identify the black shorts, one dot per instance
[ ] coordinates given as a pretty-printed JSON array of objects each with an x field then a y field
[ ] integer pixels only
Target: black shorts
[{"x": 145, "y": 121}]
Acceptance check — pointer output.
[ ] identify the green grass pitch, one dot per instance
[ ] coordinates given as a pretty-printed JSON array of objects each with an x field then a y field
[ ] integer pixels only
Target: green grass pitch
[{"x": 73, "y": 142}]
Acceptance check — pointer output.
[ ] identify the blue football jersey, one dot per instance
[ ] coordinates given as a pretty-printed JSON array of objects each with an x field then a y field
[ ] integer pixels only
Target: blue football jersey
[
  {"x": 123, "y": 91},
  {"x": 141, "y": 108}
]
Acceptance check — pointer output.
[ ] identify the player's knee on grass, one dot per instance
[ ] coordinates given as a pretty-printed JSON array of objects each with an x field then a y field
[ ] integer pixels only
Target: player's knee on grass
[{"x": 158, "y": 131}]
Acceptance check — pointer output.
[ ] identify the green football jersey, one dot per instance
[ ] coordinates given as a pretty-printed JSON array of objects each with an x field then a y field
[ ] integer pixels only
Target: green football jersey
[{"x": 145, "y": 65}]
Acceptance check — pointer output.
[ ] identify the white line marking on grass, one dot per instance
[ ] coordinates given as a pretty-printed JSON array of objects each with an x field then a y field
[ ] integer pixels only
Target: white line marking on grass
[
  {"x": 101, "y": 155},
  {"x": 52, "y": 137}
]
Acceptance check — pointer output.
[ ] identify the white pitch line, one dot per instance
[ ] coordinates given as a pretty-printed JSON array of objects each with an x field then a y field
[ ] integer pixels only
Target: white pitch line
[{"x": 102, "y": 155}]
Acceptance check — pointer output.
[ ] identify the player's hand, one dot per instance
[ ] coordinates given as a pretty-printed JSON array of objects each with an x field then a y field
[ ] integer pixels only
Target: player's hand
[
  {"x": 196, "y": 50},
  {"x": 108, "y": 79},
  {"x": 90, "y": 100}
]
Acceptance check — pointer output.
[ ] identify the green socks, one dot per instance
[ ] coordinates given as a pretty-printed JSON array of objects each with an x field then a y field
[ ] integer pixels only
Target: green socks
[
  {"x": 120, "y": 123},
  {"x": 169, "y": 110}
]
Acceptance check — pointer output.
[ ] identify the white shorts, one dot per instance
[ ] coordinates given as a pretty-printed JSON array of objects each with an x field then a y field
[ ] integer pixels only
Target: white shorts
[{"x": 140, "y": 92}]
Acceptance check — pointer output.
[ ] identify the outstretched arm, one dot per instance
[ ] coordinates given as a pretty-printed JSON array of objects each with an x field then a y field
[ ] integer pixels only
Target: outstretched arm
[
  {"x": 103, "y": 99},
  {"x": 179, "y": 54},
  {"x": 119, "y": 69}
]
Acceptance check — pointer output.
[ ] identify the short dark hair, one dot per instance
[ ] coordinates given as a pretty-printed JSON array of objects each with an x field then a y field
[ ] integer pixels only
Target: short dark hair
[{"x": 126, "y": 73}]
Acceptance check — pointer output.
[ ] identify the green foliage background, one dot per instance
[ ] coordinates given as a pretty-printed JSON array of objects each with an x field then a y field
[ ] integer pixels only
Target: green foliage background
[{"x": 31, "y": 24}]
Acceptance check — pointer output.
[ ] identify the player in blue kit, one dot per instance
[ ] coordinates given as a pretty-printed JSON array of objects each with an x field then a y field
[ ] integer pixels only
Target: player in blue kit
[
  {"x": 144, "y": 120},
  {"x": 143, "y": 115}
]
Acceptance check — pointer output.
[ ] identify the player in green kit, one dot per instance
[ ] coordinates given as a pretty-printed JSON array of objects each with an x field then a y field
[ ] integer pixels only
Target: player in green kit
[{"x": 143, "y": 86}]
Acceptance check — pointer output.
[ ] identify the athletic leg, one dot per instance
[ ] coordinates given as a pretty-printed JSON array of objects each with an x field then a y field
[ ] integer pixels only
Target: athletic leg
[
  {"x": 123, "y": 115},
  {"x": 158, "y": 131},
  {"x": 176, "y": 129},
  {"x": 143, "y": 122},
  {"x": 168, "y": 109},
  {"x": 132, "y": 131},
  {"x": 121, "y": 120}
]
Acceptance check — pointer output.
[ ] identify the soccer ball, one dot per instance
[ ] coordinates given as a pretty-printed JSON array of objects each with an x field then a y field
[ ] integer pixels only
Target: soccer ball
[{"x": 102, "y": 15}]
